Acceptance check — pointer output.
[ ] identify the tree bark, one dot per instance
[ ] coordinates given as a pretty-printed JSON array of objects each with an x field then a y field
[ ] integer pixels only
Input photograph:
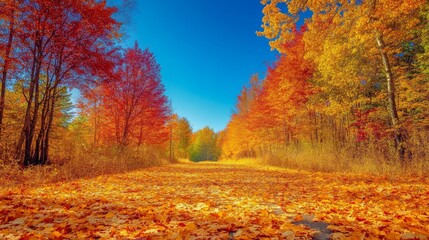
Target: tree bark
[
  {"x": 36, "y": 159},
  {"x": 30, "y": 118},
  {"x": 44, "y": 159},
  {"x": 27, "y": 116},
  {"x": 6, "y": 69},
  {"x": 32, "y": 122},
  {"x": 399, "y": 132}
]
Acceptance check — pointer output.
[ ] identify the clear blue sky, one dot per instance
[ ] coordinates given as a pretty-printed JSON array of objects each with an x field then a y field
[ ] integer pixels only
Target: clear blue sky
[{"x": 207, "y": 49}]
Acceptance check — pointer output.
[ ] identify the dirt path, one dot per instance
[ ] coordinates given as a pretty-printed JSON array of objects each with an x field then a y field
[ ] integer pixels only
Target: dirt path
[{"x": 215, "y": 201}]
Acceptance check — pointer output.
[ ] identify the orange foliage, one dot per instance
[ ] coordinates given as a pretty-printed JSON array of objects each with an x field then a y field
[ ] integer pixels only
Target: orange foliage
[
  {"x": 285, "y": 91},
  {"x": 277, "y": 112},
  {"x": 365, "y": 57},
  {"x": 131, "y": 105}
]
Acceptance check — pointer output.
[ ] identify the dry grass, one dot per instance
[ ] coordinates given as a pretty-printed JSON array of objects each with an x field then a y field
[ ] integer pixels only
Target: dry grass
[
  {"x": 183, "y": 160},
  {"x": 12, "y": 175},
  {"x": 329, "y": 159},
  {"x": 367, "y": 160},
  {"x": 82, "y": 166},
  {"x": 247, "y": 161},
  {"x": 88, "y": 165}
]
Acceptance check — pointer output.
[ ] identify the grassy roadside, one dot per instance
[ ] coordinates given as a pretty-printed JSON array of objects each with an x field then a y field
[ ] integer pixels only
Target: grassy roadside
[
  {"x": 328, "y": 163},
  {"x": 12, "y": 175}
]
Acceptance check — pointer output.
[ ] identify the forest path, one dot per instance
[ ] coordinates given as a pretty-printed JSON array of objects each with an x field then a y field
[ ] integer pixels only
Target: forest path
[{"x": 218, "y": 201}]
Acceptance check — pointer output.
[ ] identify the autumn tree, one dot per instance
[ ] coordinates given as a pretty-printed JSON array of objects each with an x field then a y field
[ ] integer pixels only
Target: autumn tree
[
  {"x": 182, "y": 137},
  {"x": 273, "y": 113},
  {"x": 131, "y": 104},
  {"x": 238, "y": 141},
  {"x": 423, "y": 57},
  {"x": 91, "y": 113},
  {"x": 204, "y": 146},
  {"x": 13, "y": 115},
  {"x": 8, "y": 14},
  {"x": 58, "y": 43},
  {"x": 378, "y": 29},
  {"x": 285, "y": 93}
]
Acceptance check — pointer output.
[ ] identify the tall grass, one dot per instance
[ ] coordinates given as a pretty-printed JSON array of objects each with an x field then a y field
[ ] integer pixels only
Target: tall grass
[
  {"x": 353, "y": 158},
  {"x": 80, "y": 165}
]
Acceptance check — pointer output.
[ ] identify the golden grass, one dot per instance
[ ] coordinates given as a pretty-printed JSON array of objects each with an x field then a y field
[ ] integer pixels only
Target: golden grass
[
  {"x": 183, "y": 160},
  {"x": 12, "y": 175},
  {"x": 246, "y": 161},
  {"x": 305, "y": 158},
  {"x": 82, "y": 166},
  {"x": 327, "y": 159}
]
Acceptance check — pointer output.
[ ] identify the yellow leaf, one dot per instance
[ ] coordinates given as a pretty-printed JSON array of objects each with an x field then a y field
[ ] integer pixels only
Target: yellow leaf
[
  {"x": 56, "y": 234},
  {"x": 190, "y": 227},
  {"x": 110, "y": 214},
  {"x": 174, "y": 236}
]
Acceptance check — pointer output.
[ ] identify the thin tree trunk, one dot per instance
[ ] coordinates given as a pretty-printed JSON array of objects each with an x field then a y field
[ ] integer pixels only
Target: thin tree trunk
[
  {"x": 399, "y": 132},
  {"x": 126, "y": 132},
  {"x": 171, "y": 140},
  {"x": 140, "y": 142},
  {"x": 5, "y": 70},
  {"x": 31, "y": 127},
  {"x": 96, "y": 123},
  {"x": 43, "y": 127},
  {"x": 44, "y": 159},
  {"x": 171, "y": 129},
  {"x": 27, "y": 116},
  {"x": 33, "y": 97}
]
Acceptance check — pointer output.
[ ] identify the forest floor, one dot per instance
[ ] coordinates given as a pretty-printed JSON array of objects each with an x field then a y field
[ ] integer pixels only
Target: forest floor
[{"x": 218, "y": 201}]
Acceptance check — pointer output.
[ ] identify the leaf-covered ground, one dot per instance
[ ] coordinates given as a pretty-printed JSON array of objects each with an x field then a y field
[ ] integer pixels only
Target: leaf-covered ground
[{"x": 215, "y": 201}]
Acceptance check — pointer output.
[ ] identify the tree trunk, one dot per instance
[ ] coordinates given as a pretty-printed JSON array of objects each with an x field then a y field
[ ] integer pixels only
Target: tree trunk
[
  {"x": 31, "y": 127},
  {"x": 44, "y": 159},
  {"x": 96, "y": 126},
  {"x": 171, "y": 140},
  {"x": 27, "y": 116},
  {"x": 43, "y": 127},
  {"x": 140, "y": 142},
  {"x": 399, "y": 132},
  {"x": 5, "y": 70}
]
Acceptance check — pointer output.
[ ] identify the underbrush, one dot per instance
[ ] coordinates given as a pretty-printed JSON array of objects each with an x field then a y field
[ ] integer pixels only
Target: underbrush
[
  {"x": 246, "y": 161},
  {"x": 12, "y": 175},
  {"x": 371, "y": 161},
  {"x": 87, "y": 165},
  {"x": 84, "y": 165}
]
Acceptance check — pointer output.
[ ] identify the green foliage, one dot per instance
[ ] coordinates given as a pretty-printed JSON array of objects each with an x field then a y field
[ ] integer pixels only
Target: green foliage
[
  {"x": 184, "y": 137},
  {"x": 65, "y": 106},
  {"x": 424, "y": 56},
  {"x": 204, "y": 146}
]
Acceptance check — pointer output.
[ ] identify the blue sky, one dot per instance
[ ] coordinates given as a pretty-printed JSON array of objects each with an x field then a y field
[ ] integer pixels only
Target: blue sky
[{"x": 207, "y": 49}]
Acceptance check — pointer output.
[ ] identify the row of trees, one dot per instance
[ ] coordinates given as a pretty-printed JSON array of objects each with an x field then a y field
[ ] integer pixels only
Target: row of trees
[
  {"x": 354, "y": 75},
  {"x": 181, "y": 140},
  {"x": 202, "y": 145},
  {"x": 205, "y": 146},
  {"x": 48, "y": 47}
]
